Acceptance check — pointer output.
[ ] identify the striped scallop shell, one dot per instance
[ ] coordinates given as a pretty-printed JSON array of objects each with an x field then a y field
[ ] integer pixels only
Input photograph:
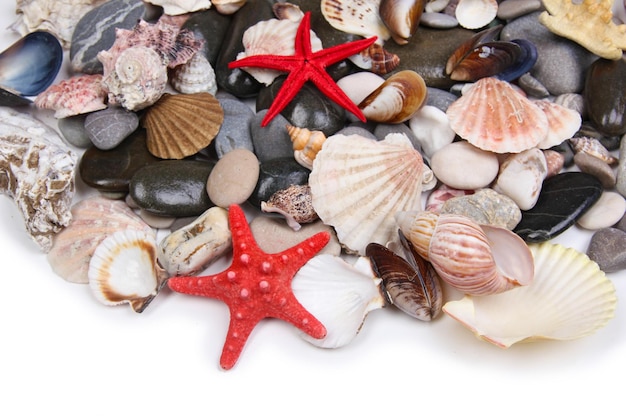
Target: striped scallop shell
[
  {"x": 93, "y": 220},
  {"x": 570, "y": 298},
  {"x": 474, "y": 14},
  {"x": 563, "y": 123},
  {"x": 358, "y": 184},
  {"x": 493, "y": 116}
]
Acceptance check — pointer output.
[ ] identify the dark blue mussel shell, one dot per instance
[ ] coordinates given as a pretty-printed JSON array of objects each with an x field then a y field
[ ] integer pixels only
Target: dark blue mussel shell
[
  {"x": 29, "y": 66},
  {"x": 525, "y": 61}
]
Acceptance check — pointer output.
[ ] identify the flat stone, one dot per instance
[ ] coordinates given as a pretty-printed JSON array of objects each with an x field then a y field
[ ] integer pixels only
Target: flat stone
[
  {"x": 235, "y": 130},
  {"x": 605, "y": 212},
  {"x": 439, "y": 98},
  {"x": 109, "y": 127},
  {"x": 608, "y": 249},
  {"x": 596, "y": 167},
  {"x": 511, "y": 9},
  {"x": 272, "y": 141},
  {"x": 233, "y": 178},
  {"x": 486, "y": 206},
  {"x": 605, "y": 96},
  {"x": 277, "y": 174},
  {"x": 73, "y": 131},
  {"x": 563, "y": 199},
  {"x": 452, "y": 163},
  {"x": 438, "y": 20}
]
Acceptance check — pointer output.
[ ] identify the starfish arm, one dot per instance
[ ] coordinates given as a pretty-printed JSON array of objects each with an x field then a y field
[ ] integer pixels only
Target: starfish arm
[
  {"x": 292, "y": 84},
  {"x": 238, "y": 332},
  {"x": 296, "y": 256},
  {"x": 276, "y": 62},
  {"x": 205, "y": 286},
  {"x": 336, "y": 53},
  {"x": 294, "y": 313},
  {"x": 326, "y": 85},
  {"x": 302, "y": 44}
]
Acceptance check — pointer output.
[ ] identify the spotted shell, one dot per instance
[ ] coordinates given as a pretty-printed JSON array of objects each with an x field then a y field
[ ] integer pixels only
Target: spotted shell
[
  {"x": 294, "y": 203},
  {"x": 475, "y": 259},
  {"x": 306, "y": 144},
  {"x": 180, "y": 125},
  {"x": 77, "y": 95},
  {"x": 356, "y": 17},
  {"x": 593, "y": 147}
]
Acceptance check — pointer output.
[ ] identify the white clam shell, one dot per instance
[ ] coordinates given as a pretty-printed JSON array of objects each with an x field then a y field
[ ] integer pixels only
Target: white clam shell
[
  {"x": 339, "y": 295},
  {"x": 124, "y": 269},
  {"x": 358, "y": 184},
  {"x": 356, "y": 17},
  {"x": 474, "y": 14},
  {"x": 570, "y": 298}
]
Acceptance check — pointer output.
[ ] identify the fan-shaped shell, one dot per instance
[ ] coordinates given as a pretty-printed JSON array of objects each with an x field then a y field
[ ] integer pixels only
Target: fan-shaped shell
[
  {"x": 493, "y": 116},
  {"x": 570, "y": 298},
  {"x": 180, "y": 125},
  {"x": 356, "y": 17},
  {"x": 76, "y": 95},
  {"x": 474, "y": 14},
  {"x": 358, "y": 184},
  {"x": 93, "y": 219},
  {"x": 563, "y": 123}
]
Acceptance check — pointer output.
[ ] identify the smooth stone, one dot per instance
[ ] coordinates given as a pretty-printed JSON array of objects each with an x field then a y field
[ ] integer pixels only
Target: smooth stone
[
  {"x": 175, "y": 188},
  {"x": 235, "y": 130},
  {"x": 485, "y": 206},
  {"x": 438, "y": 20},
  {"x": 521, "y": 176},
  {"x": 233, "y": 178},
  {"x": 383, "y": 129},
  {"x": 272, "y": 141},
  {"x": 309, "y": 108},
  {"x": 111, "y": 171},
  {"x": 606, "y": 212},
  {"x": 359, "y": 85},
  {"x": 109, "y": 127},
  {"x": 432, "y": 130},
  {"x": 95, "y": 32},
  {"x": 277, "y": 174},
  {"x": 607, "y": 248},
  {"x": 512, "y": 9},
  {"x": 439, "y": 98},
  {"x": 211, "y": 27},
  {"x": 156, "y": 221},
  {"x": 532, "y": 86},
  {"x": 563, "y": 199},
  {"x": 452, "y": 163},
  {"x": 605, "y": 96},
  {"x": 358, "y": 129},
  {"x": 273, "y": 235},
  {"x": 620, "y": 182},
  {"x": 621, "y": 224},
  {"x": 572, "y": 101},
  {"x": 561, "y": 63},
  {"x": 73, "y": 131},
  {"x": 596, "y": 167}
]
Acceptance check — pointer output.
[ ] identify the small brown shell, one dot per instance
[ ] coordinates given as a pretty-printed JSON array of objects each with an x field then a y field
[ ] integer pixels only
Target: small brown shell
[
  {"x": 306, "y": 144},
  {"x": 378, "y": 60},
  {"x": 294, "y": 203},
  {"x": 592, "y": 147},
  {"x": 401, "y": 17},
  {"x": 180, "y": 125}
]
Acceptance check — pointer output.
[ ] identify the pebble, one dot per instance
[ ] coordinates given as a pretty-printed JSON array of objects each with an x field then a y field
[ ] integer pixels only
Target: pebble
[
  {"x": 562, "y": 200},
  {"x": 572, "y": 101},
  {"x": 620, "y": 183},
  {"x": 621, "y": 224},
  {"x": 73, "y": 131},
  {"x": 272, "y": 141},
  {"x": 511, "y": 9},
  {"x": 486, "y": 206},
  {"x": 439, "y": 98},
  {"x": 452, "y": 163},
  {"x": 277, "y": 174},
  {"x": 209, "y": 26},
  {"x": 109, "y": 127},
  {"x": 361, "y": 130},
  {"x": 521, "y": 176},
  {"x": 233, "y": 178},
  {"x": 156, "y": 221},
  {"x": 605, "y": 96},
  {"x": 438, "y": 20},
  {"x": 606, "y": 212},
  {"x": 608, "y": 249},
  {"x": 596, "y": 167},
  {"x": 175, "y": 188},
  {"x": 431, "y": 128},
  {"x": 532, "y": 86},
  {"x": 235, "y": 130},
  {"x": 383, "y": 129}
]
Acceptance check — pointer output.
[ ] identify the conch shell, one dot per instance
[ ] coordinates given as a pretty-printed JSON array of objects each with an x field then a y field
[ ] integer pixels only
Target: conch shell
[{"x": 306, "y": 144}]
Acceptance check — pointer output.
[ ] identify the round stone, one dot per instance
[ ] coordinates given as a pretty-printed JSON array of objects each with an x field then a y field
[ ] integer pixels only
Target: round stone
[
  {"x": 605, "y": 96},
  {"x": 109, "y": 127},
  {"x": 606, "y": 248},
  {"x": 73, "y": 131},
  {"x": 521, "y": 176},
  {"x": 606, "y": 212},
  {"x": 233, "y": 178},
  {"x": 452, "y": 163},
  {"x": 235, "y": 130},
  {"x": 596, "y": 167}
]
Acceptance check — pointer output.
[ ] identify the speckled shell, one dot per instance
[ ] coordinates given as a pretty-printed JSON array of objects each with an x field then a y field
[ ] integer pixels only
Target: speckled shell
[
  {"x": 593, "y": 147},
  {"x": 475, "y": 259},
  {"x": 93, "y": 219},
  {"x": 563, "y": 123},
  {"x": 358, "y": 184},
  {"x": 570, "y": 298},
  {"x": 306, "y": 144},
  {"x": 474, "y": 14},
  {"x": 177, "y": 7},
  {"x": 295, "y": 203},
  {"x": 195, "y": 76},
  {"x": 77, "y": 95},
  {"x": 180, "y": 125},
  {"x": 357, "y": 17},
  {"x": 493, "y": 116}
]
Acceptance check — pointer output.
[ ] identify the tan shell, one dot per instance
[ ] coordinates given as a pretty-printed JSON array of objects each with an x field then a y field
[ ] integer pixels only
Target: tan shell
[
  {"x": 376, "y": 59},
  {"x": 493, "y": 116},
  {"x": 401, "y": 17},
  {"x": 306, "y": 144},
  {"x": 475, "y": 259},
  {"x": 356, "y": 17},
  {"x": 593, "y": 147},
  {"x": 180, "y": 125},
  {"x": 358, "y": 184},
  {"x": 563, "y": 123}
]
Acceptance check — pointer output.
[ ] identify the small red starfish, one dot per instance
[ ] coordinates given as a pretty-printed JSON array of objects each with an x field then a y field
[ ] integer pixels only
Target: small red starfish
[
  {"x": 256, "y": 285},
  {"x": 304, "y": 66}
]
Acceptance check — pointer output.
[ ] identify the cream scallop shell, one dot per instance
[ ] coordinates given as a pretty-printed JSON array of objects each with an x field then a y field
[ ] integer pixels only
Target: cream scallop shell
[
  {"x": 358, "y": 184},
  {"x": 474, "y": 14},
  {"x": 563, "y": 123},
  {"x": 569, "y": 298},
  {"x": 493, "y": 116},
  {"x": 356, "y": 17}
]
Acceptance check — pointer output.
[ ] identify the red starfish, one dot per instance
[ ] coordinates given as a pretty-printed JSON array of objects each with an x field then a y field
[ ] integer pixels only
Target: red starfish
[
  {"x": 304, "y": 66},
  {"x": 256, "y": 285}
]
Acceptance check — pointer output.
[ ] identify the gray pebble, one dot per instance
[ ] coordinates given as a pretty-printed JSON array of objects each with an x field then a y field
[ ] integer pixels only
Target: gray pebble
[
  {"x": 620, "y": 184},
  {"x": 532, "y": 86},
  {"x": 73, "y": 131},
  {"x": 440, "y": 98},
  {"x": 355, "y": 129},
  {"x": 235, "y": 130},
  {"x": 511, "y": 9},
  {"x": 596, "y": 167},
  {"x": 109, "y": 127},
  {"x": 383, "y": 130},
  {"x": 272, "y": 141},
  {"x": 608, "y": 249},
  {"x": 438, "y": 20}
]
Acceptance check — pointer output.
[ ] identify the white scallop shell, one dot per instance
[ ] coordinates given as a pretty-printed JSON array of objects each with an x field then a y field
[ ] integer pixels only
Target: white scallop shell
[
  {"x": 93, "y": 219},
  {"x": 356, "y": 17},
  {"x": 272, "y": 37},
  {"x": 474, "y": 14},
  {"x": 563, "y": 123},
  {"x": 177, "y": 7},
  {"x": 194, "y": 76},
  {"x": 358, "y": 184},
  {"x": 124, "y": 269},
  {"x": 569, "y": 298},
  {"x": 339, "y": 295},
  {"x": 228, "y": 6}
]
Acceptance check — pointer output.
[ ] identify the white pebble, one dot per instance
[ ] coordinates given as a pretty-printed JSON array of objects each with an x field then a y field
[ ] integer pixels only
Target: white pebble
[
  {"x": 432, "y": 130},
  {"x": 463, "y": 166},
  {"x": 607, "y": 211},
  {"x": 521, "y": 177},
  {"x": 359, "y": 85}
]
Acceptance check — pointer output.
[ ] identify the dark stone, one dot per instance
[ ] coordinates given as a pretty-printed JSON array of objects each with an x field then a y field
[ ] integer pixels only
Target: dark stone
[
  {"x": 235, "y": 130},
  {"x": 276, "y": 175},
  {"x": 10, "y": 99},
  {"x": 210, "y": 26},
  {"x": 111, "y": 171},
  {"x": 566, "y": 150},
  {"x": 562, "y": 200},
  {"x": 605, "y": 96},
  {"x": 109, "y": 127},
  {"x": 175, "y": 188},
  {"x": 608, "y": 249},
  {"x": 440, "y": 98},
  {"x": 73, "y": 130},
  {"x": 272, "y": 141}
]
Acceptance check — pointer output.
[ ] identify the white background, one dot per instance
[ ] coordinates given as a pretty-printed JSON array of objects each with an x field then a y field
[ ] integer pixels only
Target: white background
[{"x": 63, "y": 352}]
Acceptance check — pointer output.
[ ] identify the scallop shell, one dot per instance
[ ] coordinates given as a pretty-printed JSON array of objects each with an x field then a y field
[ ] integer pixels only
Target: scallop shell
[
  {"x": 570, "y": 298},
  {"x": 288, "y": 11},
  {"x": 401, "y": 17},
  {"x": 397, "y": 99},
  {"x": 195, "y": 76},
  {"x": 177, "y": 7},
  {"x": 563, "y": 123},
  {"x": 356, "y": 17},
  {"x": 493, "y": 116},
  {"x": 340, "y": 295},
  {"x": 93, "y": 220},
  {"x": 475, "y": 259},
  {"x": 77, "y": 95},
  {"x": 180, "y": 125},
  {"x": 124, "y": 269},
  {"x": 306, "y": 144},
  {"x": 358, "y": 184},
  {"x": 272, "y": 37},
  {"x": 474, "y": 14},
  {"x": 593, "y": 147}
]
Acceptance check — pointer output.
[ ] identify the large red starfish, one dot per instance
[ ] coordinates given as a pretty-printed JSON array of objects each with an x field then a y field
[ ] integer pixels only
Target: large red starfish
[
  {"x": 256, "y": 285},
  {"x": 304, "y": 66}
]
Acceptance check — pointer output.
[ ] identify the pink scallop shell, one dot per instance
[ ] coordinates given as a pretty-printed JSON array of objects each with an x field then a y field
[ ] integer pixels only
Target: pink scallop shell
[
  {"x": 76, "y": 95},
  {"x": 563, "y": 123}
]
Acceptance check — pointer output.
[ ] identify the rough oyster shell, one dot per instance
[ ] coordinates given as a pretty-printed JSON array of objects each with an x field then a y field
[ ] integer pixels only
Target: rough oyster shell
[
  {"x": 77, "y": 95},
  {"x": 570, "y": 298},
  {"x": 180, "y": 125},
  {"x": 358, "y": 184}
]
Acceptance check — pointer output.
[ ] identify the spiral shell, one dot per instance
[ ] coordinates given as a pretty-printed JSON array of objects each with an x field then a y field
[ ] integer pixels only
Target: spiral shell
[
  {"x": 475, "y": 259},
  {"x": 306, "y": 144},
  {"x": 195, "y": 76},
  {"x": 376, "y": 59},
  {"x": 592, "y": 147}
]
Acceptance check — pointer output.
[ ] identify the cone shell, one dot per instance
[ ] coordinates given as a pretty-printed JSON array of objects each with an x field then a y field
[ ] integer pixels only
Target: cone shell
[
  {"x": 570, "y": 298},
  {"x": 356, "y": 17},
  {"x": 358, "y": 184},
  {"x": 563, "y": 123},
  {"x": 195, "y": 76},
  {"x": 180, "y": 125},
  {"x": 306, "y": 144},
  {"x": 493, "y": 116}
]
